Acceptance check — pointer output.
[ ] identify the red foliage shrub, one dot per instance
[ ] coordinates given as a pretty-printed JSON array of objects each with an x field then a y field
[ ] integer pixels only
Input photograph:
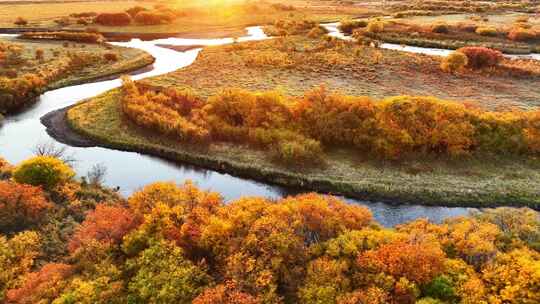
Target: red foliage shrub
[
  {"x": 152, "y": 18},
  {"x": 133, "y": 11},
  {"x": 42, "y": 285},
  {"x": 106, "y": 224},
  {"x": 21, "y": 206},
  {"x": 113, "y": 19},
  {"x": 110, "y": 56},
  {"x": 481, "y": 57},
  {"x": 21, "y": 21}
]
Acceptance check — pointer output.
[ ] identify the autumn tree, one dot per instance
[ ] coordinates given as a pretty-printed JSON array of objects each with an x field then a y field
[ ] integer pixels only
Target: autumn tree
[
  {"x": 106, "y": 224},
  {"x": 226, "y": 293},
  {"x": 513, "y": 277},
  {"x": 42, "y": 286},
  {"x": 17, "y": 256},
  {"x": 419, "y": 263},
  {"x": 21, "y": 206},
  {"x": 45, "y": 171},
  {"x": 163, "y": 275}
]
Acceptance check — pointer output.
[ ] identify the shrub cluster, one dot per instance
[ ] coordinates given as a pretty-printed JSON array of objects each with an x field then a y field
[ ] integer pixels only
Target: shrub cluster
[
  {"x": 454, "y": 62},
  {"x": 348, "y": 26},
  {"x": 113, "y": 19},
  {"x": 317, "y": 32},
  {"x": 441, "y": 28},
  {"x": 298, "y": 129},
  {"x": 486, "y": 31},
  {"x": 522, "y": 34},
  {"x": 481, "y": 57},
  {"x": 21, "y": 21},
  {"x": 286, "y": 27},
  {"x": 44, "y": 171},
  {"x": 172, "y": 114},
  {"x": 15, "y": 92},
  {"x": 153, "y": 17},
  {"x": 375, "y": 26}
]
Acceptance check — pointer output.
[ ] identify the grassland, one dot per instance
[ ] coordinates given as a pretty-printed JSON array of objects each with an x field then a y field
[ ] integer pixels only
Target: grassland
[
  {"x": 351, "y": 69},
  {"x": 485, "y": 180},
  {"x": 459, "y": 30}
]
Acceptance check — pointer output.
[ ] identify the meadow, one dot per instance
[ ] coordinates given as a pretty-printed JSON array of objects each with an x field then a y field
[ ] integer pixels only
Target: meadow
[{"x": 30, "y": 67}]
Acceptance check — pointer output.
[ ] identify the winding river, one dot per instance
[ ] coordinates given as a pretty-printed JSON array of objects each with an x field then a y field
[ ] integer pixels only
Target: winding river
[{"x": 130, "y": 171}]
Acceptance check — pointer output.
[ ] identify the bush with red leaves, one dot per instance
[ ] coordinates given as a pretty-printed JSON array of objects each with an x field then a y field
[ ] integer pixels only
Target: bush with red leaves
[
  {"x": 481, "y": 57},
  {"x": 106, "y": 224},
  {"x": 113, "y": 19},
  {"x": 41, "y": 285},
  {"x": 21, "y": 206}
]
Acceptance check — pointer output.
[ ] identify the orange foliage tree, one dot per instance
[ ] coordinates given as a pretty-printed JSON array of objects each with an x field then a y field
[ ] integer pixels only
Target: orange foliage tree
[
  {"x": 106, "y": 224},
  {"x": 45, "y": 284},
  {"x": 21, "y": 206}
]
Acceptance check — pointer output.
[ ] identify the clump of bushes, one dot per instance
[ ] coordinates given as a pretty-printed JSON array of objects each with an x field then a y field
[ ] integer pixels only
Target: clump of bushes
[
  {"x": 15, "y": 92},
  {"x": 293, "y": 27},
  {"x": 467, "y": 27},
  {"x": 487, "y": 31},
  {"x": 113, "y": 19},
  {"x": 348, "y": 26},
  {"x": 21, "y": 21},
  {"x": 21, "y": 206},
  {"x": 153, "y": 18},
  {"x": 391, "y": 128},
  {"x": 441, "y": 28},
  {"x": 110, "y": 56},
  {"x": 454, "y": 62},
  {"x": 375, "y": 26},
  {"x": 522, "y": 34},
  {"x": 44, "y": 171},
  {"x": 481, "y": 57},
  {"x": 317, "y": 32},
  {"x": 133, "y": 11}
]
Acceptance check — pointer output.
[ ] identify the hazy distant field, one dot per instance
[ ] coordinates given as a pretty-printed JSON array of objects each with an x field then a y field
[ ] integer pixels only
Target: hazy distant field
[
  {"x": 222, "y": 19},
  {"x": 44, "y": 12}
]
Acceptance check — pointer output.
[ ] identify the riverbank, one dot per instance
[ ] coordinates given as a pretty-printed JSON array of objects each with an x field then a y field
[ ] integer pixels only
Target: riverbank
[
  {"x": 472, "y": 182},
  {"x": 56, "y": 64}
]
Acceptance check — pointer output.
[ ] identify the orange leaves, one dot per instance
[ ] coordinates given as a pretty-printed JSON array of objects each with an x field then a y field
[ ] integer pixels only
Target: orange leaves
[
  {"x": 39, "y": 286},
  {"x": 473, "y": 241},
  {"x": 296, "y": 130},
  {"x": 227, "y": 293},
  {"x": 419, "y": 263},
  {"x": 163, "y": 113},
  {"x": 106, "y": 224},
  {"x": 21, "y": 206}
]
